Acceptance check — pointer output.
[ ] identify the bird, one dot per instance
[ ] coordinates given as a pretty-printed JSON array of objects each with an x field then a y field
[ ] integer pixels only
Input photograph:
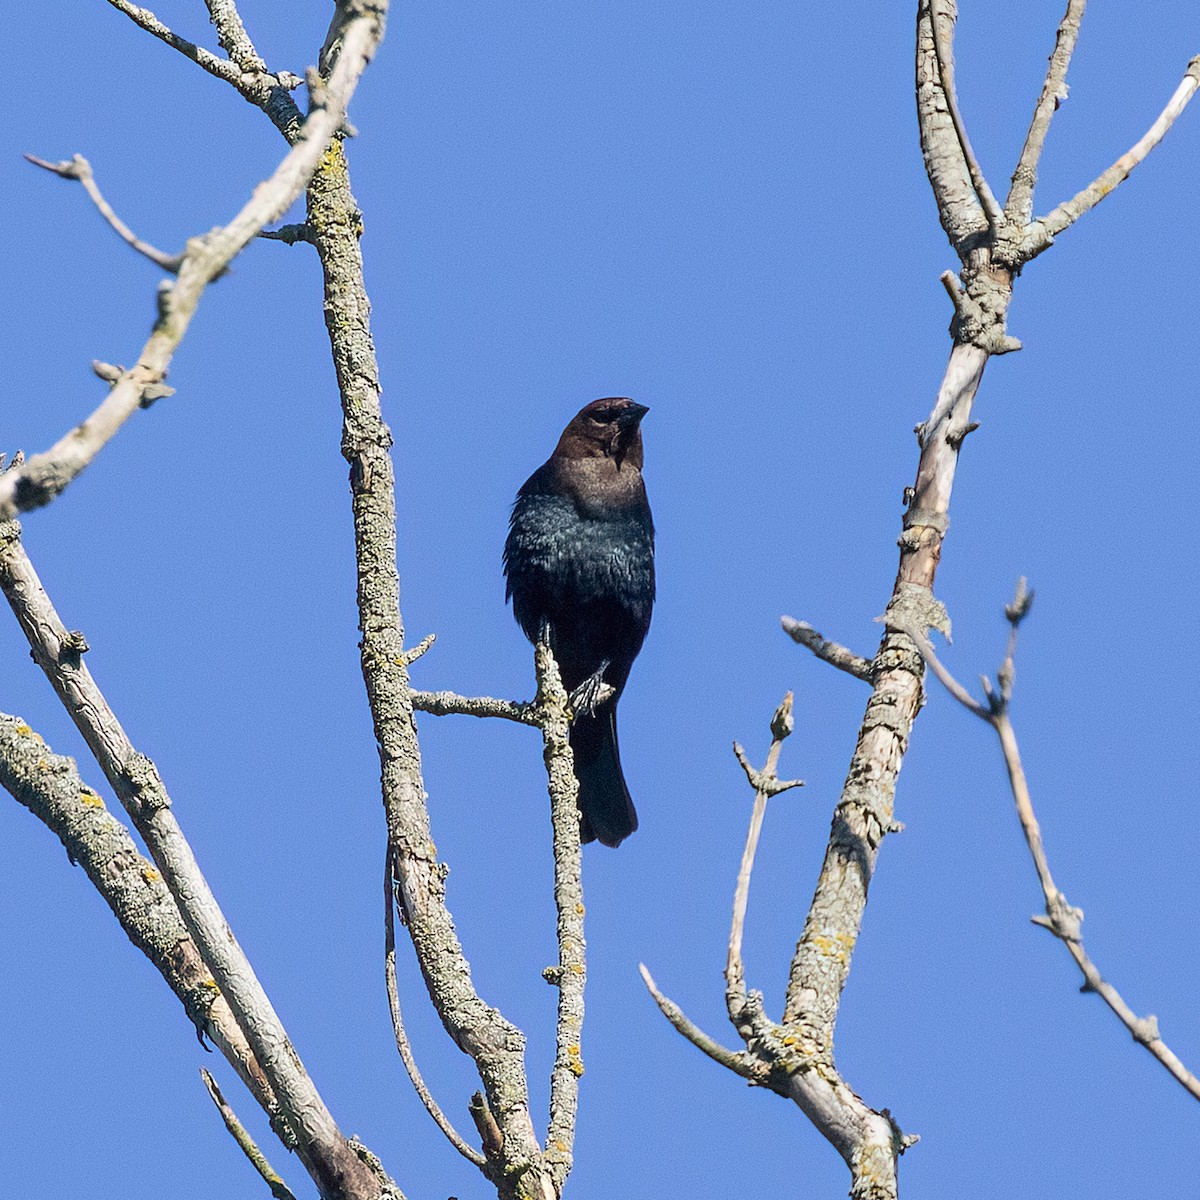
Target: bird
[{"x": 579, "y": 570}]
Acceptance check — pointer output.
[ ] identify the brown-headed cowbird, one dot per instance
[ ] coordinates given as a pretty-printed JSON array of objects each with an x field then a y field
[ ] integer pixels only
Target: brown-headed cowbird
[{"x": 579, "y": 561}]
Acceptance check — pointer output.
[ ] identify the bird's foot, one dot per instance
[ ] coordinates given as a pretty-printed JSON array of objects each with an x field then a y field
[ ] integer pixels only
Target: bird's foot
[{"x": 592, "y": 692}]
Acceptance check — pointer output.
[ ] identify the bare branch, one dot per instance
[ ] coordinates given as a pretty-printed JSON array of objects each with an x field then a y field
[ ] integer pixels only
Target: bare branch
[
  {"x": 263, "y": 89},
  {"x": 445, "y": 704},
  {"x": 739, "y": 1062},
  {"x": 325, "y": 1151},
  {"x": 51, "y": 788},
  {"x": 1041, "y": 234},
  {"x": 735, "y": 972},
  {"x": 1019, "y": 207},
  {"x": 212, "y": 63},
  {"x": 258, "y": 1160},
  {"x": 78, "y": 167},
  {"x": 831, "y": 652},
  {"x": 948, "y": 681},
  {"x": 958, "y": 205},
  {"x": 942, "y": 23},
  {"x": 570, "y": 974},
  {"x": 47, "y": 474},
  {"x": 232, "y": 35},
  {"x": 402, "y": 1043},
  {"x": 1064, "y": 921}
]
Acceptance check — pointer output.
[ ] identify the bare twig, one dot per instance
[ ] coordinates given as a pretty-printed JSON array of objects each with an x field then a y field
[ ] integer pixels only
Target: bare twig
[
  {"x": 402, "y": 1043},
  {"x": 261, "y": 88},
  {"x": 943, "y": 45},
  {"x": 78, "y": 167},
  {"x": 445, "y": 704},
  {"x": 1061, "y": 919},
  {"x": 766, "y": 784},
  {"x": 831, "y": 652},
  {"x": 1019, "y": 207},
  {"x": 289, "y": 234},
  {"x": 45, "y": 475},
  {"x": 258, "y": 1160},
  {"x": 1041, "y": 234},
  {"x": 738, "y": 1061}
]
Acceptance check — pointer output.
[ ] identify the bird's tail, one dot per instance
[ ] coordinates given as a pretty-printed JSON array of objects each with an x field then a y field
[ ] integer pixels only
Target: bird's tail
[{"x": 606, "y": 813}]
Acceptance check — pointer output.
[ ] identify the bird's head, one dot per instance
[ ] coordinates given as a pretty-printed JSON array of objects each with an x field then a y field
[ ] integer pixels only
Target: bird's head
[{"x": 608, "y": 428}]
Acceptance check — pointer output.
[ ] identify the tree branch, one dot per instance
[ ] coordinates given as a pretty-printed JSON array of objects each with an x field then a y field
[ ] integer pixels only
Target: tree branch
[
  {"x": 402, "y": 1043},
  {"x": 958, "y": 206},
  {"x": 495, "y": 1045},
  {"x": 78, "y": 167},
  {"x": 248, "y": 1146},
  {"x": 1019, "y": 206},
  {"x": 942, "y": 27},
  {"x": 1041, "y": 234},
  {"x": 263, "y": 89},
  {"x": 570, "y": 975},
  {"x": 765, "y": 783},
  {"x": 831, "y": 652},
  {"x": 444, "y": 704},
  {"x": 50, "y": 787},
  {"x": 739, "y": 1062},
  {"x": 45, "y": 475},
  {"x": 1061, "y": 919},
  {"x": 232, "y": 35},
  {"x": 304, "y": 1119}
]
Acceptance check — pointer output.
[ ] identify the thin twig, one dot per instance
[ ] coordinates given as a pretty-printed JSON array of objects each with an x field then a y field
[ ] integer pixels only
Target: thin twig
[
  {"x": 402, "y": 1043},
  {"x": 1042, "y": 232},
  {"x": 833, "y": 653},
  {"x": 290, "y": 234},
  {"x": 782, "y": 724},
  {"x": 258, "y": 1160},
  {"x": 446, "y": 704},
  {"x": 78, "y": 167},
  {"x": 1061, "y": 919},
  {"x": 943, "y": 47},
  {"x": 1019, "y": 206},
  {"x": 739, "y": 1062},
  {"x": 255, "y": 86},
  {"x": 47, "y": 474},
  {"x": 570, "y": 974}
]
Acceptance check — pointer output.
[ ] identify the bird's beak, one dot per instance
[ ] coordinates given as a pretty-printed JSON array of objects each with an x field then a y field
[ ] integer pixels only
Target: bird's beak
[{"x": 632, "y": 416}]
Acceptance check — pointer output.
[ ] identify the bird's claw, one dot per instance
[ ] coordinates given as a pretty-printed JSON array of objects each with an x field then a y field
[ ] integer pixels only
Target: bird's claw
[{"x": 591, "y": 693}]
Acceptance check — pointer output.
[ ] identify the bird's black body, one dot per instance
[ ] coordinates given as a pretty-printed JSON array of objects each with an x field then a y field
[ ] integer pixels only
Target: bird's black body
[{"x": 579, "y": 560}]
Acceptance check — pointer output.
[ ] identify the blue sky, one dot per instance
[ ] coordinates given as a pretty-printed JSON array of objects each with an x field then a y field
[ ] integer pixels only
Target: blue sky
[{"x": 719, "y": 210}]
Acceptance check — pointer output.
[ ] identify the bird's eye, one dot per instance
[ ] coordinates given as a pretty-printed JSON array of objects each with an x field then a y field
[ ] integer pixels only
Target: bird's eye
[{"x": 604, "y": 415}]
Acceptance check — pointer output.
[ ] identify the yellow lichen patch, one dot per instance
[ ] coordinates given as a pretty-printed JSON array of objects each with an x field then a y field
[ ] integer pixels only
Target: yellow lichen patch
[
  {"x": 24, "y": 730},
  {"x": 579, "y": 910},
  {"x": 151, "y": 875},
  {"x": 577, "y": 968},
  {"x": 575, "y": 1066},
  {"x": 44, "y": 767},
  {"x": 839, "y": 945},
  {"x": 88, "y": 798}
]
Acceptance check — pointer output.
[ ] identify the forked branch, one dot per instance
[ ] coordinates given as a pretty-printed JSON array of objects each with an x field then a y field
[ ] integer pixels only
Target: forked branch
[{"x": 1061, "y": 918}]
